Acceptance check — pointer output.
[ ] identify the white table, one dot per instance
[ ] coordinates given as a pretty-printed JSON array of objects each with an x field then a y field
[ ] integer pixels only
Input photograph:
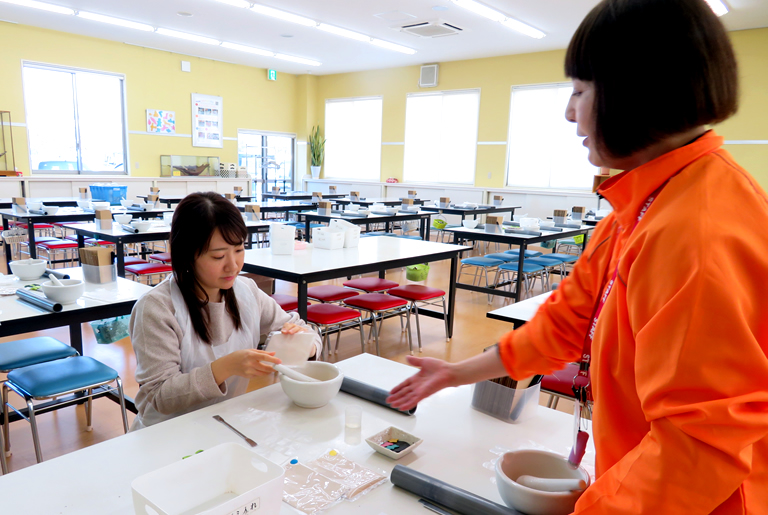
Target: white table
[
  {"x": 456, "y": 448},
  {"x": 519, "y": 312},
  {"x": 374, "y": 254}
]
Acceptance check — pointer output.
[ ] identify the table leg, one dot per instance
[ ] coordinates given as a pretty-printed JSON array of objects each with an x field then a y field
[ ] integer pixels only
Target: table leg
[
  {"x": 120, "y": 254},
  {"x": 452, "y": 294},
  {"x": 306, "y": 228},
  {"x": 8, "y": 257},
  {"x": 76, "y": 338},
  {"x": 302, "y": 295},
  {"x": 31, "y": 235},
  {"x": 80, "y": 245},
  {"x": 519, "y": 279}
]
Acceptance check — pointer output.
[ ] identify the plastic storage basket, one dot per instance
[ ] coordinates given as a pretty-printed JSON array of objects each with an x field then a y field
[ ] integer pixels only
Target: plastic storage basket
[
  {"x": 112, "y": 193},
  {"x": 417, "y": 272}
]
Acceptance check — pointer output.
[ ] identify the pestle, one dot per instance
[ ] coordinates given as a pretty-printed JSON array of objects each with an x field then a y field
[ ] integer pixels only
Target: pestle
[
  {"x": 293, "y": 374},
  {"x": 552, "y": 485},
  {"x": 55, "y": 280}
]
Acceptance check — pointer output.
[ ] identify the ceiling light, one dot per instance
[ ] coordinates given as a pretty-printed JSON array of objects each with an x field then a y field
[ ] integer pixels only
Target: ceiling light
[
  {"x": 236, "y": 3},
  {"x": 718, "y": 7},
  {"x": 300, "y": 60},
  {"x": 249, "y": 49},
  {"x": 184, "y": 14},
  {"x": 276, "y": 13},
  {"x": 41, "y": 5},
  {"x": 392, "y": 46},
  {"x": 522, "y": 28},
  {"x": 188, "y": 37},
  {"x": 115, "y": 21},
  {"x": 344, "y": 32},
  {"x": 482, "y": 10}
]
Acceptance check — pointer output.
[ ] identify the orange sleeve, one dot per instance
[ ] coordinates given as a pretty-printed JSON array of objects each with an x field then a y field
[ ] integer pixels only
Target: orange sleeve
[
  {"x": 555, "y": 336},
  {"x": 701, "y": 376}
]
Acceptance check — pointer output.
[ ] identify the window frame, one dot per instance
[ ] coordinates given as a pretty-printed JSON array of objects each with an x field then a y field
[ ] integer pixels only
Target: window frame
[
  {"x": 124, "y": 112},
  {"x": 381, "y": 137}
]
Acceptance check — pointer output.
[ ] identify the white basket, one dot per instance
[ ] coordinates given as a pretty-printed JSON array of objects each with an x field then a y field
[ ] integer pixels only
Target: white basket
[
  {"x": 351, "y": 232},
  {"x": 281, "y": 238},
  {"x": 220, "y": 481},
  {"x": 327, "y": 238},
  {"x": 15, "y": 236}
]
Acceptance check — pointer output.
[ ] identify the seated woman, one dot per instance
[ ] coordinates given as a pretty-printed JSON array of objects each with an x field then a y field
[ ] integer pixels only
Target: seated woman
[{"x": 195, "y": 334}]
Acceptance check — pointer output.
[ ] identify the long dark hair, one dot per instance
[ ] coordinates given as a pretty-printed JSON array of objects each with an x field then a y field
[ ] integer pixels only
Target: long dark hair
[
  {"x": 659, "y": 67},
  {"x": 196, "y": 218}
]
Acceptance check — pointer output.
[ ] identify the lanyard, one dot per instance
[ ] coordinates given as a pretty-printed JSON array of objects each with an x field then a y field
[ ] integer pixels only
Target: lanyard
[{"x": 581, "y": 383}]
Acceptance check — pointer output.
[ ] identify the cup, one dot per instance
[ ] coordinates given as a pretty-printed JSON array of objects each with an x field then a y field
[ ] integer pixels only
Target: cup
[{"x": 353, "y": 416}]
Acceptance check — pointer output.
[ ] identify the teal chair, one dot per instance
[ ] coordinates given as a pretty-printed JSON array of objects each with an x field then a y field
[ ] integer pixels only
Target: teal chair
[
  {"x": 530, "y": 272},
  {"x": 480, "y": 264}
]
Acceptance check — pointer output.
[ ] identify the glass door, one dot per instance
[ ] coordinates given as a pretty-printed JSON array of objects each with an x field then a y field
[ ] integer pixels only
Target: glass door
[{"x": 269, "y": 159}]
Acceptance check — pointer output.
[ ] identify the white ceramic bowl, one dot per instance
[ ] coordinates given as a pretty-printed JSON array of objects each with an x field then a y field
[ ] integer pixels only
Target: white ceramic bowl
[
  {"x": 126, "y": 203},
  {"x": 141, "y": 226},
  {"x": 537, "y": 463},
  {"x": 84, "y": 204},
  {"x": 34, "y": 205},
  {"x": 28, "y": 269},
  {"x": 393, "y": 433},
  {"x": 313, "y": 395},
  {"x": 100, "y": 205},
  {"x": 123, "y": 219},
  {"x": 51, "y": 210},
  {"x": 71, "y": 291},
  {"x": 470, "y": 224}
]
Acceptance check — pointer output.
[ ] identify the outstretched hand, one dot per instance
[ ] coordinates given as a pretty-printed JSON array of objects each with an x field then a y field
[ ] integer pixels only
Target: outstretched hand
[{"x": 434, "y": 375}]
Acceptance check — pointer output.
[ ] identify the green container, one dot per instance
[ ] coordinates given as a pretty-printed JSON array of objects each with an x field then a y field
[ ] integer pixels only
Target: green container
[
  {"x": 111, "y": 330},
  {"x": 417, "y": 272}
]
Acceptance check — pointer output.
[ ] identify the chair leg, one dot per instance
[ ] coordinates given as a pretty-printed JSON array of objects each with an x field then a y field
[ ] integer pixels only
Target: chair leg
[
  {"x": 35, "y": 435},
  {"x": 445, "y": 320},
  {"x": 122, "y": 403},
  {"x": 6, "y": 423},
  {"x": 362, "y": 334},
  {"x": 89, "y": 410},
  {"x": 3, "y": 460},
  {"x": 375, "y": 332},
  {"x": 418, "y": 327},
  {"x": 410, "y": 334},
  {"x": 550, "y": 401},
  {"x": 338, "y": 336}
]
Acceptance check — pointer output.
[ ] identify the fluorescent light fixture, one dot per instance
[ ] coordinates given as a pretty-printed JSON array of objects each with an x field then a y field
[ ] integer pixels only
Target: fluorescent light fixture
[
  {"x": 718, "y": 7},
  {"x": 41, "y": 5},
  {"x": 392, "y": 46},
  {"x": 236, "y": 3},
  {"x": 344, "y": 32},
  {"x": 115, "y": 21},
  {"x": 299, "y": 60},
  {"x": 482, "y": 10},
  {"x": 249, "y": 49},
  {"x": 276, "y": 13},
  {"x": 188, "y": 37},
  {"x": 523, "y": 28}
]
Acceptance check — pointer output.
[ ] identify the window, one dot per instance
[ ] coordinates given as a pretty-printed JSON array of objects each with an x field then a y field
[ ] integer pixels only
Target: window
[
  {"x": 268, "y": 157},
  {"x": 353, "y": 138},
  {"x": 75, "y": 120},
  {"x": 544, "y": 150},
  {"x": 441, "y": 137}
]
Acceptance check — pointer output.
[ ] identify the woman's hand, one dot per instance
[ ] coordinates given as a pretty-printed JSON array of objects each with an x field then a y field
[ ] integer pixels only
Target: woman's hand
[
  {"x": 289, "y": 328},
  {"x": 434, "y": 375},
  {"x": 246, "y": 363}
]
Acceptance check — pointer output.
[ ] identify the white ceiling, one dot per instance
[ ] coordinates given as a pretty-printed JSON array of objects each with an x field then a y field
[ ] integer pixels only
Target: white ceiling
[{"x": 481, "y": 37}]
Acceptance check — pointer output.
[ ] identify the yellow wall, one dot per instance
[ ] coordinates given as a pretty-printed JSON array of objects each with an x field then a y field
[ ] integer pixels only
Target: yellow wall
[
  {"x": 496, "y": 75},
  {"x": 154, "y": 80}
]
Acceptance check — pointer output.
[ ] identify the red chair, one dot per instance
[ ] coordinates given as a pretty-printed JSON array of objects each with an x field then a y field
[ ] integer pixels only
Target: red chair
[
  {"x": 371, "y": 284},
  {"x": 163, "y": 257},
  {"x": 330, "y": 293},
  {"x": 560, "y": 384},
  {"x": 378, "y": 304},
  {"x": 149, "y": 270},
  {"x": 425, "y": 295},
  {"x": 130, "y": 260},
  {"x": 286, "y": 302},
  {"x": 327, "y": 316},
  {"x": 51, "y": 247}
]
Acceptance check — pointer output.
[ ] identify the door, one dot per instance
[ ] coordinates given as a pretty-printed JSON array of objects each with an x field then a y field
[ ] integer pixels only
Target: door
[{"x": 268, "y": 157}]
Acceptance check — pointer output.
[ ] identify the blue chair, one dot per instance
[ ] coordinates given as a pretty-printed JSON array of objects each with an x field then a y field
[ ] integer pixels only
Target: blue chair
[
  {"x": 78, "y": 375},
  {"x": 548, "y": 264},
  {"x": 528, "y": 253},
  {"x": 530, "y": 272},
  {"x": 480, "y": 263},
  {"x": 569, "y": 246},
  {"x": 502, "y": 256}
]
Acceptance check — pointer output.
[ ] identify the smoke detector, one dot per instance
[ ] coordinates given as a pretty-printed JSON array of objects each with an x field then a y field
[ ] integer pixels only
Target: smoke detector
[{"x": 431, "y": 29}]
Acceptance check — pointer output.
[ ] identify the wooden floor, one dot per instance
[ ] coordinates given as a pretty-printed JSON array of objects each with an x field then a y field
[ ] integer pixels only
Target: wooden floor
[{"x": 63, "y": 431}]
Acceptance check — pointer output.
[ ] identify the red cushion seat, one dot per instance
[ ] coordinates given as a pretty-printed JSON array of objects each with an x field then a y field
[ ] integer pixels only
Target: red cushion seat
[
  {"x": 57, "y": 245},
  {"x": 416, "y": 292},
  {"x": 376, "y": 302},
  {"x": 148, "y": 268},
  {"x": 329, "y": 314},
  {"x": 330, "y": 293},
  {"x": 371, "y": 284},
  {"x": 561, "y": 381},
  {"x": 286, "y": 302},
  {"x": 164, "y": 257},
  {"x": 130, "y": 260}
]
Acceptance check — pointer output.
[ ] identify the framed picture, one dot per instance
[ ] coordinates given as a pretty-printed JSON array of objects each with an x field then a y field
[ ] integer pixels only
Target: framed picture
[{"x": 207, "y": 121}]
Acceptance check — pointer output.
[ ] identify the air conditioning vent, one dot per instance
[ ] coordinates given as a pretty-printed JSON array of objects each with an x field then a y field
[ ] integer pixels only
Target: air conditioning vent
[
  {"x": 428, "y": 76},
  {"x": 431, "y": 29}
]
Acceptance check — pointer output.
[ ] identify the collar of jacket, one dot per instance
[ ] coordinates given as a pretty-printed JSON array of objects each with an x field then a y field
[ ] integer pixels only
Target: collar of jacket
[{"x": 628, "y": 191}]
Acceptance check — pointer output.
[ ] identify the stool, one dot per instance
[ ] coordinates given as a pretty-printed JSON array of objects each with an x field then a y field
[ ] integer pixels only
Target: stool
[
  {"x": 548, "y": 264},
  {"x": 325, "y": 316},
  {"x": 507, "y": 258},
  {"x": 22, "y": 353},
  {"x": 131, "y": 260},
  {"x": 379, "y": 303},
  {"x": 52, "y": 246},
  {"x": 528, "y": 253},
  {"x": 163, "y": 257},
  {"x": 148, "y": 270},
  {"x": 480, "y": 263},
  {"x": 426, "y": 296},
  {"x": 330, "y": 293},
  {"x": 569, "y": 246},
  {"x": 559, "y": 384},
  {"x": 529, "y": 272},
  {"x": 286, "y": 302},
  {"x": 75, "y": 375},
  {"x": 371, "y": 284}
]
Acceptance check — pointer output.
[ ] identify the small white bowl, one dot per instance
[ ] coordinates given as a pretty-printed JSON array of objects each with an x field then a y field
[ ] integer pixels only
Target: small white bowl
[
  {"x": 123, "y": 219},
  {"x": 313, "y": 395},
  {"x": 470, "y": 224},
  {"x": 100, "y": 205},
  {"x": 71, "y": 291},
  {"x": 34, "y": 205},
  {"x": 141, "y": 226},
  {"x": 28, "y": 269},
  {"x": 531, "y": 462},
  {"x": 126, "y": 203},
  {"x": 393, "y": 433},
  {"x": 84, "y": 204},
  {"x": 547, "y": 223},
  {"x": 50, "y": 210}
]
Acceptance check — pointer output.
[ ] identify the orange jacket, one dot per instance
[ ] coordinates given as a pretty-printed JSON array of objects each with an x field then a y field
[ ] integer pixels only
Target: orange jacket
[{"x": 680, "y": 354}]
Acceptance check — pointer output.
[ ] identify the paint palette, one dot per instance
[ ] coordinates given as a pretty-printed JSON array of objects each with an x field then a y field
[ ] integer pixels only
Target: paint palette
[{"x": 393, "y": 442}]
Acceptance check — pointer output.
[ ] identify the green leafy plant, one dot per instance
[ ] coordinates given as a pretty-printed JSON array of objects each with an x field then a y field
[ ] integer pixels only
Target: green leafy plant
[{"x": 316, "y": 146}]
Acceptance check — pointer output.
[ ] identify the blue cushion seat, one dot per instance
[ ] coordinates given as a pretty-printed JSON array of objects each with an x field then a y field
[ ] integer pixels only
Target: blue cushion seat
[
  {"x": 528, "y": 253},
  {"x": 56, "y": 377},
  {"x": 502, "y": 256},
  {"x": 528, "y": 268},
  {"x": 544, "y": 261},
  {"x": 563, "y": 258},
  {"x": 481, "y": 261},
  {"x": 23, "y": 353}
]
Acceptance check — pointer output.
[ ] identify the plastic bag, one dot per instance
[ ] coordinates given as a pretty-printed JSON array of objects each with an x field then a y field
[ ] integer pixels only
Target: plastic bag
[
  {"x": 110, "y": 330},
  {"x": 359, "y": 480},
  {"x": 417, "y": 272},
  {"x": 309, "y": 491}
]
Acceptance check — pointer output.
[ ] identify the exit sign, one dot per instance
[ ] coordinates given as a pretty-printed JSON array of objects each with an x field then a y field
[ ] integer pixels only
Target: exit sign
[{"x": 271, "y": 75}]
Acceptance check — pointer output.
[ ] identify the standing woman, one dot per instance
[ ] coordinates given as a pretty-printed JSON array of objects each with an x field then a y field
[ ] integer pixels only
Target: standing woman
[
  {"x": 195, "y": 334},
  {"x": 668, "y": 301}
]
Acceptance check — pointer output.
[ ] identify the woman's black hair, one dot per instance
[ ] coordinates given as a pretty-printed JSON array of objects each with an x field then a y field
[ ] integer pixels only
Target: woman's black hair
[
  {"x": 659, "y": 67},
  {"x": 196, "y": 218}
]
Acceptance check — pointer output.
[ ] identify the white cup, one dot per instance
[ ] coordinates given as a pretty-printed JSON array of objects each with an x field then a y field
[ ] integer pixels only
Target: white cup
[{"x": 353, "y": 416}]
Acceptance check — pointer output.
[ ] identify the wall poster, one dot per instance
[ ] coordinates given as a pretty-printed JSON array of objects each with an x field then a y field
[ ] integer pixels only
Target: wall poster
[
  {"x": 207, "y": 121},
  {"x": 163, "y": 122}
]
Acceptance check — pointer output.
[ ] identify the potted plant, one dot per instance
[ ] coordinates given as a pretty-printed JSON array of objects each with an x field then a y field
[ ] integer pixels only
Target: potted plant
[{"x": 316, "y": 150}]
